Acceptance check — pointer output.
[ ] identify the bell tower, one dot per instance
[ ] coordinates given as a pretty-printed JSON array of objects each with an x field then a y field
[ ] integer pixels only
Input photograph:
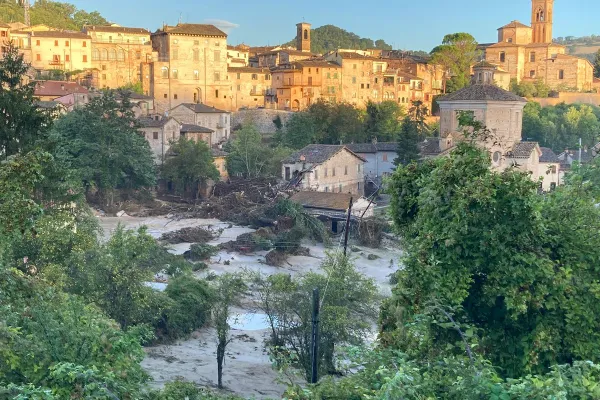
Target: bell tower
[
  {"x": 542, "y": 12},
  {"x": 303, "y": 37}
]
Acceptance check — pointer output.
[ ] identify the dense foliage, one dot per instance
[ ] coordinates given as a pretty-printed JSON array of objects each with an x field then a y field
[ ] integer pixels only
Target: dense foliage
[
  {"x": 329, "y": 37},
  {"x": 52, "y": 13},
  {"x": 457, "y": 53},
  {"x": 530, "y": 89},
  {"x": 560, "y": 127}
]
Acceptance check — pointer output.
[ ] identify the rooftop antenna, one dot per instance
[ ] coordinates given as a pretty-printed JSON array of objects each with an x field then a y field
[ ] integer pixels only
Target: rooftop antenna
[
  {"x": 26, "y": 9},
  {"x": 180, "y": 15}
]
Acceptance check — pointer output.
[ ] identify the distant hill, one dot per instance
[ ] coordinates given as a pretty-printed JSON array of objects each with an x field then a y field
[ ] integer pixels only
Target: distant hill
[
  {"x": 585, "y": 46},
  {"x": 51, "y": 13},
  {"x": 330, "y": 37}
]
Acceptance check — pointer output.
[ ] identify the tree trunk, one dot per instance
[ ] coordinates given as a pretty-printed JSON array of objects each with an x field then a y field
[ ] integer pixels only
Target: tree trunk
[{"x": 220, "y": 357}]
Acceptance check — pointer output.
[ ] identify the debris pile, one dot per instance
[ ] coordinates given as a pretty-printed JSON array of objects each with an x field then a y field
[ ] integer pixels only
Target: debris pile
[{"x": 191, "y": 235}]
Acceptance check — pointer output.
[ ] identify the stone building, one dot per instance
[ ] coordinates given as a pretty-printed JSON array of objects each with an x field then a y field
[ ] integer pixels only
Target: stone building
[
  {"x": 325, "y": 168},
  {"x": 238, "y": 56},
  {"x": 528, "y": 54},
  {"x": 250, "y": 87},
  {"x": 69, "y": 94},
  {"x": 190, "y": 67},
  {"x": 379, "y": 159},
  {"x": 159, "y": 132},
  {"x": 283, "y": 56},
  {"x": 219, "y": 121},
  {"x": 117, "y": 54},
  {"x": 501, "y": 112},
  {"x": 301, "y": 83}
]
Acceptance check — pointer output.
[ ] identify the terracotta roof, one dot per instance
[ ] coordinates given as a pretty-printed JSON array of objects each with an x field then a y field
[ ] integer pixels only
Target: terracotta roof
[
  {"x": 315, "y": 63},
  {"x": 190, "y": 128},
  {"x": 364, "y": 148},
  {"x": 355, "y": 56},
  {"x": 251, "y": 70},
  {"x": 329, "y": 201},
  {"x": 56, "y": 34},
  {"x": 317, "y": 154},
  {"x": 47, "y": 104},
  {"x": 523, "y": 149},
  {"x": 202, "y": 108},
  {"x": 515, "y": 24},
  {"x": 484, "y": 64},
  {"x": 482, "y": 93},
  {"x": 58, "y": 88},
  {"x": 548, "y": 156},
  {"x": 430, "y": 146},
  {"x": 218, "y": 153},
  {"x": 3, "y": 25},
  {"x": 195, "y": 29},
  {"x": 116, "y": 29},
  {"x": 409, "y": 76}
]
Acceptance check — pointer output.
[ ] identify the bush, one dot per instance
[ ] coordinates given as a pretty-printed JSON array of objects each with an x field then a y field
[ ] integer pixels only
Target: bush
[
  {"x": 188, "y": 306},
  {"x": 179, "y": 390},
  {"x": 201, "y": 252}
]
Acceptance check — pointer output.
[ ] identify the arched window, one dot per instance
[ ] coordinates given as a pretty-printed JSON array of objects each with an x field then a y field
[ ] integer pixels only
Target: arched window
[
  {"x": 121, "y": 55},
  {"x": 306, "y": 34},
  {"x": 104, "y": 54},
  {"x": 502, "y": 56},
  {"x": 95, "y": 54},
  {"x": 539, "y": 16},
  {"x": 112, "y": 54}
]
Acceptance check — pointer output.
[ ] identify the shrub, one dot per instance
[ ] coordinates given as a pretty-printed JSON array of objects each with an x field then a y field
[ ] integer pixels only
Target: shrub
[{"x": 201, "y": 252}]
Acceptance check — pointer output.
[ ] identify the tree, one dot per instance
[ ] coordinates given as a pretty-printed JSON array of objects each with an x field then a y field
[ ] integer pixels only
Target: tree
[
  {"x": 383, "y": 120},
  {"x": 457, "y": 53},
  {"x": 597, "y": 65},
  {"x": 228, "y": 290},
  {"x": 22, "y": 126},
  {"x": 101, "y": 143},
  {"x": 347, "y": 307},
  {"x": 515, "y": 266},
  {"x": 250, "y": 158},
  {"x": 300, "y": 131},
  {"x": 408, "y": 143},
  {"x": 190, "y": 166}
]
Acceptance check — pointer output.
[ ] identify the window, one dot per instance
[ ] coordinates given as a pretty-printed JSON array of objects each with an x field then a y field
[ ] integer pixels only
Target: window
[
  {"x": 103, "y": 67},
  {"x": 56, "y": 42},
  {"x": 154, "y": 135},
  {"x": 384, "y": 157},
  {"x": 217, "y": 55},
  {"x": 112, "y": 54},
  {"x": 376, "y": 80},
  {"x": 362, "y": 85},
  {"x": 267, "y": 77},
  {"x": 67, "y": 58},
  {"x": 138, "y": 55},
  {"x": 217, "y": 93},
  {"x": 329, "y": 75},
  {"x": 532, "y": 73},
  {"x": 175, "y": 54},
  {"x": 37, "y": 42},
  {"x": 341, "y": 188},
  {"x": 287, "y": 173},
  {"x": 333, "y": 171},
  {"x": 316, "y": 174},
  {"x": 353, "y": 66},
  {"x": 326, "y": 189},
  {"x": 325, "y": 173},
  {"x": 66, "y": 43},
  {"x": 368, "y": 85},
  {"x": 110, "y": 39},
  {"x": 175, "y": 96},
  {"x": 56, "y": 58},
  {"x": 346, "y": 170},
  {"x": 552, "y": 186},
  {"x": 195, "y": 97},
  {"x": 104, "y": 54},
  {"x": 84, "y": 58},
  {"x": 121, "y": 55},
  {"x": 254, "y": 77},
  {"x": 502, "y": 56},
  {"x": 353, "y": 79},
  {"x": 95, "y": 54},
  {"x": 38, "y": 57},
  {"x": 532, "y": 56},
  {"x": 358, "y": 186},
  {"x": 509, "y": 40},
  {"x": 217, "y": 76},
  {"x": 196, "y": 74},
  {"x": 335, "y": 75},
  {"x": 561, "y": 74},
  {"x": 165, "y": 96},
  {"x": 164, "y": 72},
  {"x": 175, "y": 74},
  {"x": 358, "y": 168},
  {"x": 306, "y": 34},
  {"x": 239, "y": 87},
  {"x": 196, "y": 54},
  {"x": 217, "y": 44}
]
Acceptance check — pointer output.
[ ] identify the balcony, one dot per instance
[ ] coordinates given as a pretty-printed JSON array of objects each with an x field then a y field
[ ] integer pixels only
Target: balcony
[{"x": 55, "y": 62}]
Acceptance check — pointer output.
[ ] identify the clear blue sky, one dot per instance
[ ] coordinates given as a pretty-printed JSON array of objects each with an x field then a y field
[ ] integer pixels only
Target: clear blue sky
[{"x": 412, "y": 25}]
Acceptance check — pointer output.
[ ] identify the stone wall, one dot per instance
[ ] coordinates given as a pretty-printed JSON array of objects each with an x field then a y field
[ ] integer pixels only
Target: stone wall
[
  {"x": 262, "y": 118},
  {"x": 570, "y": 98}
]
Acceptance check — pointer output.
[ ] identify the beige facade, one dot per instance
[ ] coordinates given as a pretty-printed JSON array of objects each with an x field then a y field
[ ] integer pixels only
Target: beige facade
[
  {"x": 527, "y": 53},
  {"x": 191, "y": 67},
  {"x": 339, "y": 171},
  {"x": 302, "y": 83},
  {"x": 117, "y": 54},
  {"x": 238, "y": 56},
  {"x": 250, "y": 87},
  {"x": 159, "y": 132},
  {"x": 208, "y": 117}
]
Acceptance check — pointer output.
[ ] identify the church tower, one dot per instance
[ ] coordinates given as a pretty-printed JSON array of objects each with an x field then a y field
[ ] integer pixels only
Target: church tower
[
  {"x": 303, "y": 37},
  {"x": 541, "y": 20}
]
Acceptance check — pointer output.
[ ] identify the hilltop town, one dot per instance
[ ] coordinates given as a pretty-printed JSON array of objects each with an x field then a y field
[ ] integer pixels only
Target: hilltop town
[{"x": 183, "y": 218}]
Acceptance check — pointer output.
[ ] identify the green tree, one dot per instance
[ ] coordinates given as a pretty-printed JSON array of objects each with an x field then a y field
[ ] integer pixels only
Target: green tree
[
  {"x": 347, "y": 309},
  {"x": 383, "y": 120},
  {"x": 22, "y": 126},
  {"x": 515, "y": 265},
  {"x": 597, "y": 65},
  {"x": 300, "y": 131},
  {"x": 101, "y": 143},
  {"x": 190, "y": 166},
  {"x": 457, "y": 53},
  {"x": 329, "y": 37},
  {"x": 408, "y": 143}
]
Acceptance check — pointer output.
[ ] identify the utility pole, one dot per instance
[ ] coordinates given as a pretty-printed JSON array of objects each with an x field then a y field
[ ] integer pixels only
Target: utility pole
[
  {"x": 579, "y": 151},
  {"x": 314, "y": 354},
  {"x": 347, "y": 229},
  {"x": 26, "y": 9}
]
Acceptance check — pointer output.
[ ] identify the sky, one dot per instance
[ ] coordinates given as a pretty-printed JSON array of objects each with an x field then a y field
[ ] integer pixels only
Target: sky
[{"x": 407, "y": 25}]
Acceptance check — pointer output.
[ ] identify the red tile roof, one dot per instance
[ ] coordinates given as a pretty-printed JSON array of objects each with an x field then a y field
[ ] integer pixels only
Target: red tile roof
[
  {"x": 58, "y": 88},
  {"x": 194, "y": 29}
]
